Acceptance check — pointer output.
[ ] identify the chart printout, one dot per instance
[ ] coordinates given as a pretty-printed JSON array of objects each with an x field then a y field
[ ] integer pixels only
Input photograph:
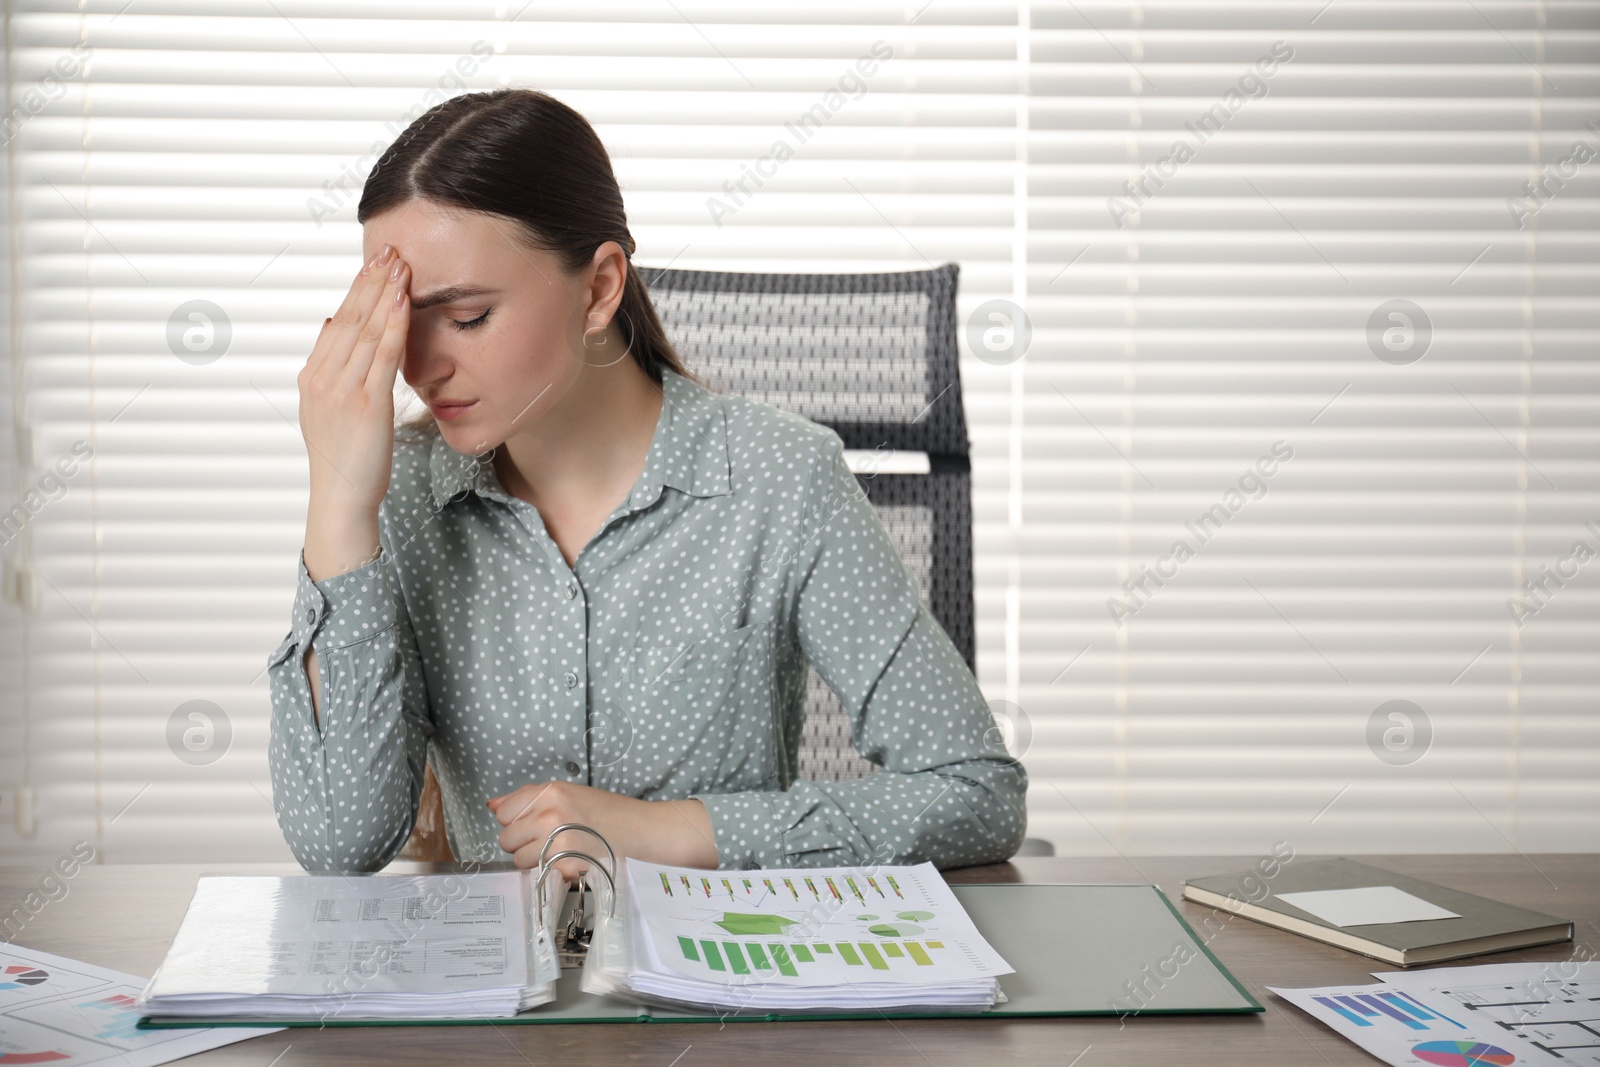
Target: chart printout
[
  {"x": 65, "y": 1013},
  {"x": 1497, "y": 1015},
  {"x": 814, "y": 927},
  {"x": 1529, "y": 1008}
]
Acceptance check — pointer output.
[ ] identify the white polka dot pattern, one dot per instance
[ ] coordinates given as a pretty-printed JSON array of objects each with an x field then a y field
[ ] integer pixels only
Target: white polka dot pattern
[{"x": 668, "y": 662}]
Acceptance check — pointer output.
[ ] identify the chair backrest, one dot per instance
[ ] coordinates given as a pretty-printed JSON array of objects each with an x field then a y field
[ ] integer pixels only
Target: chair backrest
[{"x": 874, "y": 357}]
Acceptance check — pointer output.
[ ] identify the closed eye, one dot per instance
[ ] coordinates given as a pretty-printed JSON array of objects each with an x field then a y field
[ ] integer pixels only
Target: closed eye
[{"x": 470, "y": 323}]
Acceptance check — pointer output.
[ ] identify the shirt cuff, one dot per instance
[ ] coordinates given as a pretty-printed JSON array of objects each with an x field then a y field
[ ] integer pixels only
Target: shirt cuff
[
  {"x": 744, "y": 830},
  {"x": 347, "y": 608}
]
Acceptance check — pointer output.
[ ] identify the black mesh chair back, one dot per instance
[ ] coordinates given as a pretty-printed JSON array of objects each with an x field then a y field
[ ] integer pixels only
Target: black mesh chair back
[{"x": 874, "y": 357}]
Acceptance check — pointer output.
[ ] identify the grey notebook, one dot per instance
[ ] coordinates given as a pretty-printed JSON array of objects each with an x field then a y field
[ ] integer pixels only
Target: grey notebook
[
  {"x": 1482, "y": 925},
  {"x": 1077, "y": 950}
]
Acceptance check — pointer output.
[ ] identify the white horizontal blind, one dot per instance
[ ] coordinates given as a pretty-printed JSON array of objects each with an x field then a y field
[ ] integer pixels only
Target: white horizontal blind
[
  {"x": 211, "y": 152},
  {"x": 1227, "y": 334}
]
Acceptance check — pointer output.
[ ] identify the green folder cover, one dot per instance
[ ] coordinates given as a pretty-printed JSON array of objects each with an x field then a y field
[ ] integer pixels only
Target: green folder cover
[{"x": 1077, "y": 950}]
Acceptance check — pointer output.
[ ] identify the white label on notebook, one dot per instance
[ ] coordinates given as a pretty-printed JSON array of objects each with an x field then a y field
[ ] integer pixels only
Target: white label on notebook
[{"x": 1366, "y": 906}]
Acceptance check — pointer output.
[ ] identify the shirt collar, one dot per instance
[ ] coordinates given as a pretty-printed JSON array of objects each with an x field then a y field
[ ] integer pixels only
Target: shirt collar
[{"x": 689, "y": 452}]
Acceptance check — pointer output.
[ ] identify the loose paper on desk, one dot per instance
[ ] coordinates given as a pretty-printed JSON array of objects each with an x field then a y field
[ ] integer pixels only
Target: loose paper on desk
[
  {"x": 1491, "y": 1016},
  {"x": 1533, "y": 1008},
  {"x": 69, "y": 1014},
  {"x": 1366, "y": 905}
]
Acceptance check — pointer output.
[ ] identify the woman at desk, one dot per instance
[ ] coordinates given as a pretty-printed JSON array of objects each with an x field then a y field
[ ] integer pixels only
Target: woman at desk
[{"x": 587, "y": 583}]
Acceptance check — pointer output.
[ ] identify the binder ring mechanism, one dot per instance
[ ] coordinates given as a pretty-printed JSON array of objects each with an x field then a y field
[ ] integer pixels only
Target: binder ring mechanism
[{"x": 577, "y": 933}]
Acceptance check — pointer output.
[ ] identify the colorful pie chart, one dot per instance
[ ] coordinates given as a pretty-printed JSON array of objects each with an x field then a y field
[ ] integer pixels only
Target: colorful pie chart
[
  {"x": 22, "y": 975},
  {"x": 1462, "y": 1054}
]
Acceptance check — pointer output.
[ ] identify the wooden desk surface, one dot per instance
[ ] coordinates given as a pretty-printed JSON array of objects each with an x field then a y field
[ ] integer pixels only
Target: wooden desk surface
[{"x": 124, "y": 917}]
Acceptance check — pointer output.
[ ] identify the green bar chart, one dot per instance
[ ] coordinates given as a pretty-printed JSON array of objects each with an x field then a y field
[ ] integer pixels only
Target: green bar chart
[
  {"x": 800, "y": 936},
  {"x": 780, "y": 956},
  {"x": 735, "y": 958},
  {"x": 746, "y": 957}
]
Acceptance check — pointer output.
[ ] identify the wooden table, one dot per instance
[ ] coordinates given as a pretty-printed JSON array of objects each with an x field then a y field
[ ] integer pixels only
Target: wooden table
[{"x": 124, "y": 917}]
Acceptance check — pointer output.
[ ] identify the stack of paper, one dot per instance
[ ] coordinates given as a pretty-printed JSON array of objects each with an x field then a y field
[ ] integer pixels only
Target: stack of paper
[
  {"x": 821, "y": 939},
  {"x": 433, "y": 946}
]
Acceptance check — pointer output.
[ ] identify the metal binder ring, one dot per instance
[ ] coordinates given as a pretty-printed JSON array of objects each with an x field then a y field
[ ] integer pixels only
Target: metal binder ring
[
  {"x": 586, "y": 829},
  {"x": 594, "y": 864}
]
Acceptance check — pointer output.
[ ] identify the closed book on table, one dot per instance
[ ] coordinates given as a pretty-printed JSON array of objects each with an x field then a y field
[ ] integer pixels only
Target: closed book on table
[{"x": 1479, "y": 924}]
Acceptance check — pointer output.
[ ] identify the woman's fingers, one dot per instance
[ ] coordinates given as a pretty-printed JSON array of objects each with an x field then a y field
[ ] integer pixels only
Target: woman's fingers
[
  {"x": 351, "y": 294},
  {"x": 328, "y": 337},
  {"x": 349, "y": 430},
  {"x": 352, "y": 323},
  {"x": 338, "y": 336},
  {"x": 375, "y": 328},
  {"x": 392, "y": 348}
]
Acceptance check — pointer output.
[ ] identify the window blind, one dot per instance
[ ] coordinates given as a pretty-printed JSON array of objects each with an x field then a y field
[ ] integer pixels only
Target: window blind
[
  {"x": 1311, "y": 396},
  {"x": 1261, "y": 279}
]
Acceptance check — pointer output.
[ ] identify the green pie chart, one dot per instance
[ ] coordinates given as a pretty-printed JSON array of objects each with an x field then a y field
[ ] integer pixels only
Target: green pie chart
[
  {"x": 914, "y": 916},
  {"x": 895, "y": 929}
]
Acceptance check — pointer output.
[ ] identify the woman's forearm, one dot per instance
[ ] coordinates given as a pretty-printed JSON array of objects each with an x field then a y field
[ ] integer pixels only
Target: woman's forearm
[
  {"x": 350, "y": 723},
  {"x": 339, "y": 538}
]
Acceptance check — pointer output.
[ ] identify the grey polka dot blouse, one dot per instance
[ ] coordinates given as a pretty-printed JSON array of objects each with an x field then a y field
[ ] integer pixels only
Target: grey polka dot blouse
[{"x": 668, "y": 662}]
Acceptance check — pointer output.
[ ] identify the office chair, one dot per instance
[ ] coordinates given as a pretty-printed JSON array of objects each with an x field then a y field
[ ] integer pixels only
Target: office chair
[{"x": 875, "y": 358}]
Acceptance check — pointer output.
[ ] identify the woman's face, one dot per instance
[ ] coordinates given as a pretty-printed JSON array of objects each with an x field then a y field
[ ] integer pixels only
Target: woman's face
[{"x": 494, "y": 323}]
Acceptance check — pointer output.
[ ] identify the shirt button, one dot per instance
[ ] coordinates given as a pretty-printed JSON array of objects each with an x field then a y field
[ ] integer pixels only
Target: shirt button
[
  {"x": 572, "y": 590},
  {"x": 571, "y": 679},
  {"x": 311, "y": 615},
  {"x": 573, "y": 768}
]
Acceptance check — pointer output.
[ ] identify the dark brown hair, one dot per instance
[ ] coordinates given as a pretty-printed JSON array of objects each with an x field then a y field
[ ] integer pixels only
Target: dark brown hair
[{"x": 523, "y": 155}]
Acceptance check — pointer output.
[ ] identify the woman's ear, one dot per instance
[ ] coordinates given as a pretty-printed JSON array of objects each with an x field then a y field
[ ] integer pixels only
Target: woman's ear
[{"x": 608, "y": 281}]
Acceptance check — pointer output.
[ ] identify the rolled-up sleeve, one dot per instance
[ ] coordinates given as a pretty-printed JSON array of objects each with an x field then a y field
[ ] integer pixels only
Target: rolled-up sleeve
[
  {"x": 346, "y": 787},
  {"x": 949, "y": 792}
]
